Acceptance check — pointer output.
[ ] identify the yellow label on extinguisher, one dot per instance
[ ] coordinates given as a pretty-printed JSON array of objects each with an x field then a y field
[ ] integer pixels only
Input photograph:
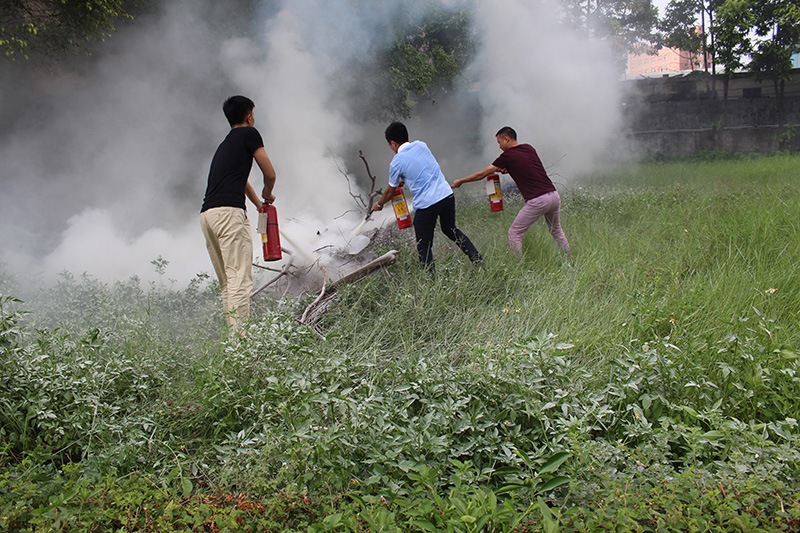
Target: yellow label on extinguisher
[
  {"x": 400, "y": 206},
  {"x": 496, "y": 195}
]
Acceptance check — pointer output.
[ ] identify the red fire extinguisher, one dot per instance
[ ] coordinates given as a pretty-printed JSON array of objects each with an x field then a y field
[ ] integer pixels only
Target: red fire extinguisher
[
  {"x": 401, "y": 209},
  {"x": 270, "y": 235},
  {"x": 494, "y": 192}
]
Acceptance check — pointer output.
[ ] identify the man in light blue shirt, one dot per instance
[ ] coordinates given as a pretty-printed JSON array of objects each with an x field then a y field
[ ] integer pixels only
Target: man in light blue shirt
[{"x": 433, "y": 198}]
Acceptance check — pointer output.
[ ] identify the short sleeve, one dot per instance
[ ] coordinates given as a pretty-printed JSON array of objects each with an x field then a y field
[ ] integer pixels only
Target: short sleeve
[
  {"x": 500, "y": 161},
  {"x": 394, "y": 173},
  {"x": 253, "y": 140}
]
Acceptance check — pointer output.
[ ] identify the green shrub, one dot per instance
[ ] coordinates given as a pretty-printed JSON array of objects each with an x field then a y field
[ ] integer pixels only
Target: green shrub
[{"x": 650, "y": 384}]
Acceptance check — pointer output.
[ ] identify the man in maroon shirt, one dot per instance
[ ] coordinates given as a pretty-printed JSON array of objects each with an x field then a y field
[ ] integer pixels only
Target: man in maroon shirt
[{"x": 522, "y": 163}]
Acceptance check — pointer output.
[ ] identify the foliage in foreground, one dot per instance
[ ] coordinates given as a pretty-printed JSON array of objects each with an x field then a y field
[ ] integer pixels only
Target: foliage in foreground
[
  {"x": 460, "y": 405},
  {"x": 403, "y": 446}
]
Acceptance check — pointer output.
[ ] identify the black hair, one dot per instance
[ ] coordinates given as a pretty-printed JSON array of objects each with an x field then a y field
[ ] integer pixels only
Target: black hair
[
  {"x": 397, "y": 132},
  {"x": 507, "y": 131},
  {"x": 236, "y": 109}
]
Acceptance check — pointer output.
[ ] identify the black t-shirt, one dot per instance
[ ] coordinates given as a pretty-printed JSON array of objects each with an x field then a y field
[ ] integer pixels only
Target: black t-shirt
[
  {"x": 526, "y": 169},
  {"x": 230, "y": 168}
]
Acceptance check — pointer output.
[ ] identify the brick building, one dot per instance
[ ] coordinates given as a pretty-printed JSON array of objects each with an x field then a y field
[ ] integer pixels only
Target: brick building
[{"x": 665, "y": 61}]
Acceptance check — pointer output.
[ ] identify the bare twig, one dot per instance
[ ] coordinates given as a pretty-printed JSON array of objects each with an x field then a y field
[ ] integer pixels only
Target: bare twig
[
  {"x": 554, "y": 163},
  {"x": 283, "y": 272},
  {"x": 357, "y": 197},
  {"x": 264, "y": 267},
  {"x": 372, "y": 192}
]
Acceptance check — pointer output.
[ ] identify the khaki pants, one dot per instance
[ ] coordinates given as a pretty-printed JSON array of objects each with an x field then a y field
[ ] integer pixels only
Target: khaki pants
[{"x": 230, "y": 247}]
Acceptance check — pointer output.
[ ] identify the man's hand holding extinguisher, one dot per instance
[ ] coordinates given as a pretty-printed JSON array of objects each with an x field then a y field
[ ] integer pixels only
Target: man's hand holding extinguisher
[{"x": 388, "y": 194}]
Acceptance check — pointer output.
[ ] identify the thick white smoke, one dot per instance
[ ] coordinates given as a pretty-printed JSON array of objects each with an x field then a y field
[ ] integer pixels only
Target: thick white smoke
[
  {"x": 114, "y": 172},
  {"x": 104, "y": 162},
  {"x": 558, "y": 90}
]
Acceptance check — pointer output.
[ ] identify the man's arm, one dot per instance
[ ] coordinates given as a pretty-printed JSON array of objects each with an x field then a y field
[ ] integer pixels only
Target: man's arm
[
  {"x": 388, "y": 194},
  {"x": 263, "y": 162},
  {"x": 250, "y": 192},
  {"x": 491, "y": 169}
]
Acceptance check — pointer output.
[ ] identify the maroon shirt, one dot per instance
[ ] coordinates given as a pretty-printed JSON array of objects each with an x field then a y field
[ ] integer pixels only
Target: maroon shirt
[{"x": 526, "y": 169}]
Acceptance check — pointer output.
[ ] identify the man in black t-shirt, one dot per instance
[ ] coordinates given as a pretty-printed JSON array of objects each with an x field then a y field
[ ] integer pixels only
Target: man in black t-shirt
[
  {"x": 223, "y": 216},
  {"x": 522, "y": 163}
]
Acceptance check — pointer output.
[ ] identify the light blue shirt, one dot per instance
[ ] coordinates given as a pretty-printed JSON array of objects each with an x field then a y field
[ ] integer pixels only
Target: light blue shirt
[{"x": 415, "y": 163}]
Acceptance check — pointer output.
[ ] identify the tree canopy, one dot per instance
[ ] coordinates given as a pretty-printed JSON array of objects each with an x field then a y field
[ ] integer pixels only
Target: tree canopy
[
  {"x": 429, "y": 57},
  {"x": 627, "y": 24},
  {"x": 760, "y": 35},
  {"x": 680, "y": 28},
  {"x": 49, "y": 26},
  {"x": 777, "y": 24}
]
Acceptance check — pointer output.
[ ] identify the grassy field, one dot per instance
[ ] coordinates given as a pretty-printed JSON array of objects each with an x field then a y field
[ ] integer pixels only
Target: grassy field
[{"x": 652, "y": 383}]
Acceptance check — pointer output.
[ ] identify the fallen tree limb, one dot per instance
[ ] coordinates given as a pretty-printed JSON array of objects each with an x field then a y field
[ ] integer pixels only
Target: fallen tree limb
[
  {"x": 320, "y": 305},
  {"x": 386, "y": 259}
]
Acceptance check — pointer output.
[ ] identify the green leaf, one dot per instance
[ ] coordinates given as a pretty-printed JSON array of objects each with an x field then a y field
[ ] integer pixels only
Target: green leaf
[
  {"x": 547, "y": 514},
  {"x": 554, "y": 483},
  {"x": 712, "y": 435},
  {"x": 506, "y": 489},
  {"x": 552, "y": 464},
  {"x": 424, "y": 525},
  {"x": 186, "y": 487}
]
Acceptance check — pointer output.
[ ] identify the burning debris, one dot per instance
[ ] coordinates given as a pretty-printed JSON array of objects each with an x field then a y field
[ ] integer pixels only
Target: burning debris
[
  {"x": 306, "y": 272},
  {"x": 299, "y": 281},
  {"x": 322, "y": 303}
]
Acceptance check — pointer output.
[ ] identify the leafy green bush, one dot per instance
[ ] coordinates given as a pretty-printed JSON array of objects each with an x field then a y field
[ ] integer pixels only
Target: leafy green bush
[{"x": 650, "y": 384}]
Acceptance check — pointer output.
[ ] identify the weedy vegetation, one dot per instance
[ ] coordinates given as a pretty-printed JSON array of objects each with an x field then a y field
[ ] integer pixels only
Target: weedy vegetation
[{"x": 652, "y": 383}]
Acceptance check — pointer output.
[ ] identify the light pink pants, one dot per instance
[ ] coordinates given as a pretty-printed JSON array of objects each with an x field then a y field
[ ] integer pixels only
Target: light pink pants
[{"x": 548, "y": 205}]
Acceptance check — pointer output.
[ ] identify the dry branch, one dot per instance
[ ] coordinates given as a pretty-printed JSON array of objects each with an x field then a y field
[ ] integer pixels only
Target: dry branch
[
  {"x": 372, "y": 192},
  {"x": 357, "y": 197},
  {"x": 386, "y": 259},
  {"x": 320, "y": 305}
]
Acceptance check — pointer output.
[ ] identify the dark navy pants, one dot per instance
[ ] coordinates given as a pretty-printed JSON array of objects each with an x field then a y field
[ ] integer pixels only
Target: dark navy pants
[{"x": 425, "y": 224}]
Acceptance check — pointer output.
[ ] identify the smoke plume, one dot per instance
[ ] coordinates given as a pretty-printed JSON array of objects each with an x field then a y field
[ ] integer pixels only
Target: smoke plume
[{"x": 105, "y": 158}]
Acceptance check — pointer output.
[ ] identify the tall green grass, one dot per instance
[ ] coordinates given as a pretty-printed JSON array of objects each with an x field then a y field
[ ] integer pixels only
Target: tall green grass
[
  {"x": 649, "y": 383},
  {"x": 689, "y": 251}
]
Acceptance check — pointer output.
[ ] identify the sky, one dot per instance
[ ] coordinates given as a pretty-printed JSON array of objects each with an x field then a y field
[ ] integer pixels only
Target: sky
[{"x": 105, "y": 158}]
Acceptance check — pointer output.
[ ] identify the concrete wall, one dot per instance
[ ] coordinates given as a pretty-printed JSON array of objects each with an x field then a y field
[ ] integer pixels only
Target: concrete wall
[{"x": 683, "y": 115}]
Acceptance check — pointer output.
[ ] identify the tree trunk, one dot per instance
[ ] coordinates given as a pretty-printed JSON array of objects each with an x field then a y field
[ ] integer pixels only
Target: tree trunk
[
  {"x": 780, "y": 89},
  {"x": 724, "y": 117}
]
